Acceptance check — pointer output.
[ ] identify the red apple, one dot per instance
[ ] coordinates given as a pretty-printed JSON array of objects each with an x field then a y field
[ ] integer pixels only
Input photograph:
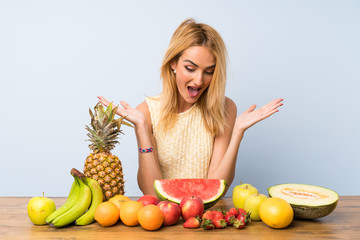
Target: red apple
[
  {"x": 191, "y": 207},
  {"x": 148, "y": 199},
  {"x": 171, "y": 212}
]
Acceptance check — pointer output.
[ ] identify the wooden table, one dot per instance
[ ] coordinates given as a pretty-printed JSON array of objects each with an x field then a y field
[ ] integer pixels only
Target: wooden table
[{"x": 343, "y": 223}]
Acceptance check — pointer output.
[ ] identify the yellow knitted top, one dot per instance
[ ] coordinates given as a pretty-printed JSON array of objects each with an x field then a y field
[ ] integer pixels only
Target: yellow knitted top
[{"x": 185, "y": 150}]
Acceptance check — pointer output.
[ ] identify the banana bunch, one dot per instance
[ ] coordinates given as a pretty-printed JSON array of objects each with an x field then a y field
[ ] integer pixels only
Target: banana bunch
[{"x": 85, "y": 195}]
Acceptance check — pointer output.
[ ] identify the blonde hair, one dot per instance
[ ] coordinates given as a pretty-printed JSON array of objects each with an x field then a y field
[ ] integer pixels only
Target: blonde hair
[{"x": 212, "y": 100}]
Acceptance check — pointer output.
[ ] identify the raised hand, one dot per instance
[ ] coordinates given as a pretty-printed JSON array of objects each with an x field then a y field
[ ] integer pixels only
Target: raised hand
[
  {"x": 131, "y": 114},
  {"x": 252, "y": 116}
]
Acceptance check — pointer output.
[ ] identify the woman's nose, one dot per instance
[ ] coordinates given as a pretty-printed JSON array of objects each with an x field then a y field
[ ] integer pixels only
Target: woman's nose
[{"x": 198, "y": 79}]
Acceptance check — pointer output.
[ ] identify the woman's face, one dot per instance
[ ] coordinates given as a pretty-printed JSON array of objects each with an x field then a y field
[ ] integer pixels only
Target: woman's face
[{"x": 194, "y": 71}]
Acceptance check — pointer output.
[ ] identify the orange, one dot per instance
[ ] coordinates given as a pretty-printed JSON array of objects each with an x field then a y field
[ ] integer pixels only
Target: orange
[
  {"x": 106, "y": 214},
  {"x": 129, "y": 212},
  {"x": 276, "y": 212},
  {"x": 150, "y": 217},
  {"x": 121, "y": 197},
  {"x": 118, "y": 200}
]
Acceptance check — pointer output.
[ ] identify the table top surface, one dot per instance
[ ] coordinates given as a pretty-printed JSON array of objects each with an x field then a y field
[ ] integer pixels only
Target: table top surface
[{"x": 343, "y": 223}]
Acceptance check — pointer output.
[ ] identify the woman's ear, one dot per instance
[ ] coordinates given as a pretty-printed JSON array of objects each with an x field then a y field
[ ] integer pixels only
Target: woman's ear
[{"x": 173, "y": 64}]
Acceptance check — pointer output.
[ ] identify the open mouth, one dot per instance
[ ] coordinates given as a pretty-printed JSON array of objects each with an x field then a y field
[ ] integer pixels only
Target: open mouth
[{"x": 193, "y": 91}]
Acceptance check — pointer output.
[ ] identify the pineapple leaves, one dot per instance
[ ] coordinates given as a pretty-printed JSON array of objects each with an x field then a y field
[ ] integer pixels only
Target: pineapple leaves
[
  {"x": 91, "y": 114},
  {"x": 104, "y": 129},
  {"x": 121, "y": 121},
  {"x": 99, "y": 111},
  {"x": 111, "y": 112},
  {"x": 127, "y": 124}
]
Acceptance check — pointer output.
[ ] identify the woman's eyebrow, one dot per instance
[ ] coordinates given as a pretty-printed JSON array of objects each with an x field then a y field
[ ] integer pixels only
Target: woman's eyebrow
[{"x": 187, "y": 60}]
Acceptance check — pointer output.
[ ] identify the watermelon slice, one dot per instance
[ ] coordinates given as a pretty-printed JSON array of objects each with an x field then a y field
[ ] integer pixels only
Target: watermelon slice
[{"x": 209, "y": 190}]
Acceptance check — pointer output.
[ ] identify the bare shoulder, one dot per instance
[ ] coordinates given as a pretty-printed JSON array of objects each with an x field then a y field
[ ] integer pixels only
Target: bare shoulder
[
  {"x": 143, "y": 107},
  {"x": 230, "y": 105}
]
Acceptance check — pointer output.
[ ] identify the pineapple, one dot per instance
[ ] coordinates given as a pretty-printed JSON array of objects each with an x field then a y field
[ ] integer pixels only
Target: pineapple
[{"x": 101, "y": 165}]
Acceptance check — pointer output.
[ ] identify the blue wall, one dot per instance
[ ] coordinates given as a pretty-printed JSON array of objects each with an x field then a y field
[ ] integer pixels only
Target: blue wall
[{"x": 56, "y": 57}]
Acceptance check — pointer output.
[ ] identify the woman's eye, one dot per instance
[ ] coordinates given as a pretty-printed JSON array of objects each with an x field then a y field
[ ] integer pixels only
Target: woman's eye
[
  {"x": 189, "y": 69},
  {"x": 192, "y": 70}
]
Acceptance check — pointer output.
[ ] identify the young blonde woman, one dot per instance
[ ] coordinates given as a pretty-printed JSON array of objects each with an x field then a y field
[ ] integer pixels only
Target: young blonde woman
[{"x": 191, "y": 130}]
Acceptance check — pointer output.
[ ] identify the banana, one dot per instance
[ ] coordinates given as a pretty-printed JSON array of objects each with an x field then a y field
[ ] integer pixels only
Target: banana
[
  {"x": 68, "y": 204},
  {"x": 97, "y": 198},
  {"x": 78, "y": 209}
]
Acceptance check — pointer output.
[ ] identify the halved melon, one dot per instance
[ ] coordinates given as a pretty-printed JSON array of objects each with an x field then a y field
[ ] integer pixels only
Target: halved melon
[
  {"x": 209, "y": 190},
  {"x": 307, "y": 201}
]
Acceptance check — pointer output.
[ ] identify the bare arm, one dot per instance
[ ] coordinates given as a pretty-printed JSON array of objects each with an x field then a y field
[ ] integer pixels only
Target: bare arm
[
  {"x": 149, "y": 169},
  {"x": 222, "y": 165},
  {"x": 226, "y": 145}
]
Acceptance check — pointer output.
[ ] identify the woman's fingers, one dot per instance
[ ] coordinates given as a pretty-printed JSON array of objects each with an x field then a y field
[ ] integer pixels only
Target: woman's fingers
[
  {"x": 104, "y": 101},
  {"x": 252, "y": 116},
  {"x": 268, "y": 114},
  {"x": 125, "y": 104},
  {"x": 276, "y": 103},
  {"x": 271, "y": 108},
  {"x": 120, "y": 111},
  {"x": 251, "y": 108},
  {"x": 272, "y": 105}
]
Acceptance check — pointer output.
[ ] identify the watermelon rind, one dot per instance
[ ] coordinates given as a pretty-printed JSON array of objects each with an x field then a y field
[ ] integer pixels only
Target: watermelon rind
[
  {"x": 164, "y": 196},
  {"x": 311, "y": 209}
]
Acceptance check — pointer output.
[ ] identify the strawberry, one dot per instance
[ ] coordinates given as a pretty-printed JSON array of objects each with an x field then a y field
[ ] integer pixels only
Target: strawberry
[
  {"x": 239, "y": 224},
  {"x": 245, "y": 214},
  {"x": 217, "y": 214},
  {"x": 234, "y": 211},
  {"x": 208, "y": 215},
  {"x": 193, "y": 222},
  {"x": 241, "y": 211},
  {"x": 244, "y": 218},
  {"x": 224, "y": 212},
  {"x": 230, "y": 219},
  {"x": 219, "y": 223},
  {"x": 207, "y": 224}
]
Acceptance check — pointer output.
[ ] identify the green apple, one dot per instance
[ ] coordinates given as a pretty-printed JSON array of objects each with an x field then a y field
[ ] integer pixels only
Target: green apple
[
  {"x": 241, "y": 192},
  {"x": 252, "y": 205},
  {"x": 39, "y": 208}
]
